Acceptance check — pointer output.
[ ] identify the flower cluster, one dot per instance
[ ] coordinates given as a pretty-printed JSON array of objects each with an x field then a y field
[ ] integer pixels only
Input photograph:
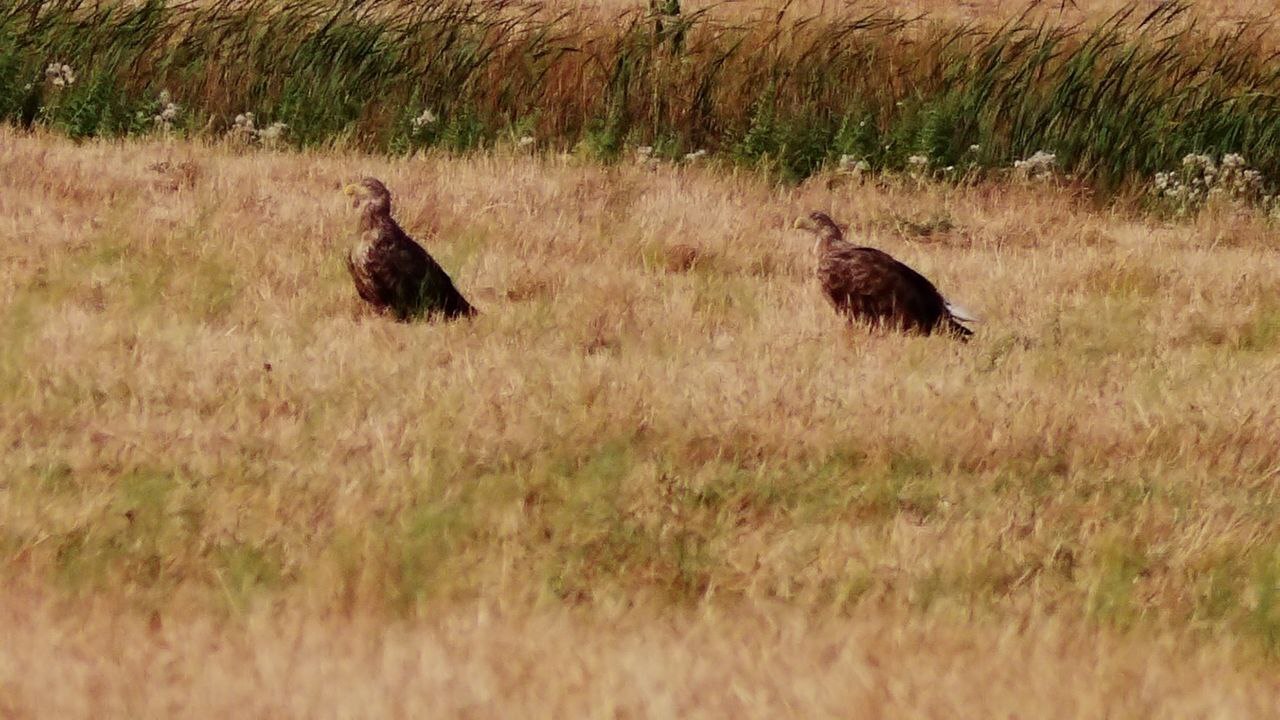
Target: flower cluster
[
  {"x": 245, "y": 126},
  {"x": 853, "y": 165},
  {"x": 247, "y": 130},
  {"x": 425, "y": 118},
  {"x": 167, "y": 113},
  {"x": 1040, "y": 166},
  {"x": 60, "y": 74},
  {"x": 645, "y": 158},
  {"x": 1202, "y": 179},
  {"x": 272, "y": 133}
]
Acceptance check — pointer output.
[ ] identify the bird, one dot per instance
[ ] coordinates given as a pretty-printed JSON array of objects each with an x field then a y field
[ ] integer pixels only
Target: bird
[
  {"x": 869, "y": 285},
  {"x": 392, "y": 272}
]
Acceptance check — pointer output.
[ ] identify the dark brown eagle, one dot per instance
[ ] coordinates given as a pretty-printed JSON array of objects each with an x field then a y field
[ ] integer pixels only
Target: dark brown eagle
[
  {"x": 870, "y": 286},
  {"x": 391, "y": 271}
]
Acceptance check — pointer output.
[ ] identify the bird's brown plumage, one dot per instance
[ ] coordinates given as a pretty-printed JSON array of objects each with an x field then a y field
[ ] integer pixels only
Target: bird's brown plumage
[
  {"x": 391, "y": 271},
  {"x": 869, "y": 285}
]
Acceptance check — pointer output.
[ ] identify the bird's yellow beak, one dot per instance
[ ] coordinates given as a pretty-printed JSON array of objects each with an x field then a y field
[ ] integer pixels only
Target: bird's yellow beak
[
  {"x": 351, "y": 190},
  {"x": 802, "y": 223}
]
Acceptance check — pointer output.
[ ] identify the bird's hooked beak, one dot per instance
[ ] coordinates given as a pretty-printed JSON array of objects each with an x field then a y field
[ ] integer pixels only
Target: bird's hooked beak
[
  {"x": 803, "y": 223},
  {"x": 352, "y": 191}
]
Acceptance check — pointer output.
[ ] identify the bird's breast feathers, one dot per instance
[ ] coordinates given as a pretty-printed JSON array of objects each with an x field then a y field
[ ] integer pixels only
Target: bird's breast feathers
[{"x": 362, "y": 249}]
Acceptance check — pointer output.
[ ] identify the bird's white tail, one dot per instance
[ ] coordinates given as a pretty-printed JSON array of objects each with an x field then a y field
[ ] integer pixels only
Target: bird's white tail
[{"x": 960, "y": 313}]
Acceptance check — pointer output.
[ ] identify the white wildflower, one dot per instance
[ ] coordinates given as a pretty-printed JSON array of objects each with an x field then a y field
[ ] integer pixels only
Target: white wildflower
[
  {"x": 525, "y": 141},
  {"x": 427, "y": 117},
  {"x": 273, "y": 133},
  {"x": 695, "y": 156},
  {"x": 1203, "y": 179},
  {"x": 853, "y": 165},
  {"x": 645, "y": 158},
  {"x": 975, "y": 148},
  {"x": 60, "y": 74},
  {"x": 165, "y": 118},
  {"x": 918, "y": 161},
  {"x": 1041, "y": 165},
  {"x": 167, "y": 113},
  {"x": 245, "y": 128},
  {"x": 1204, "y": 163}
]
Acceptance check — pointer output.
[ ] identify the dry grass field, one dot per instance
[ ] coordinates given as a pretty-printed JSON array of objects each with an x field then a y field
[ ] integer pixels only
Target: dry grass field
[{"x": 657, "y": 477}]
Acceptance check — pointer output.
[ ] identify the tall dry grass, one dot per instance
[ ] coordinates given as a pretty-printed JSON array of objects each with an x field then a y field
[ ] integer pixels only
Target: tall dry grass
[
  {"x": 633, "y": 444},
  {"x": 964, "y": 10},
  {"x": 1116, "y": 97},
  {"x": 482, "y": 663}
]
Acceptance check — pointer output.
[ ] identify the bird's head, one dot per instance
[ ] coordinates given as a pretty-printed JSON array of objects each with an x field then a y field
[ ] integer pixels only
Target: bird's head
[
  {"x": 820, "y": 224},
  {"x": 370, "y": 196}
]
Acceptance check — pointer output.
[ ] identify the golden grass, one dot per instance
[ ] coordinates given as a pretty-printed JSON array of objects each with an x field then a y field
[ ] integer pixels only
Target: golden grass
[
  {"x": 1222, "y": 11},
  {"x": 670, "y": 478},
  {"x": 484, "y": 664},
  {"x": 963, "y": 10}
]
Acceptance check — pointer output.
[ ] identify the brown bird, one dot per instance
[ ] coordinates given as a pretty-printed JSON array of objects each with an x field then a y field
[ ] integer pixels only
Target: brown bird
[
  {"x": 869, "y": 285},
  {"x": 391, "y": 271}
]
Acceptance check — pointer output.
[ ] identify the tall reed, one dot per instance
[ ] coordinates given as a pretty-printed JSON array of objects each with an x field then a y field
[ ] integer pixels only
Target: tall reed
[{"x": 1116, "y": 100}]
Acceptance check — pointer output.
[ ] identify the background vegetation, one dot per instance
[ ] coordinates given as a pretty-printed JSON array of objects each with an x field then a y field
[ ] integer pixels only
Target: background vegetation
[{"x": 1115, "y": 99}]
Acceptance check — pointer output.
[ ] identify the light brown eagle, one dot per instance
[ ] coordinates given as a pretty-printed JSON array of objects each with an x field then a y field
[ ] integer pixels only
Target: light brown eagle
[
  {"x": 869, "y": 285},
  {"x": 391, "y": 271}
]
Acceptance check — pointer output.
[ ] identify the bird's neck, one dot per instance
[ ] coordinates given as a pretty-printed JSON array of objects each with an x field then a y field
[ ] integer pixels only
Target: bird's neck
[
  {"x": 827, "y": 241},
  {"x": 370, "y": 220}
]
